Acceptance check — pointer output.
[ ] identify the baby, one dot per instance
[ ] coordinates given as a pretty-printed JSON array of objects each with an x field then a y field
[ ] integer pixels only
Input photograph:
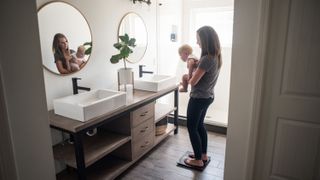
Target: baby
[
  {"x": 78, "y": 59},
  {"x": 185, "y": 52}
]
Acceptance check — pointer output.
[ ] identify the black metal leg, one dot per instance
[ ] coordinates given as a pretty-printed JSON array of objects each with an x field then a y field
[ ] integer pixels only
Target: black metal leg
[
  {"x": 78, "y": 149},
  {"x": 176, "y": 112},
  {"x": 71, "y": 139}
]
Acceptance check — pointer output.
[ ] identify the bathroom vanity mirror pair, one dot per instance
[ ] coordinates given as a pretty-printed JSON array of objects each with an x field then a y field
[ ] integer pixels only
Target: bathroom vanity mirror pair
[{"x": 66, "y": 40}]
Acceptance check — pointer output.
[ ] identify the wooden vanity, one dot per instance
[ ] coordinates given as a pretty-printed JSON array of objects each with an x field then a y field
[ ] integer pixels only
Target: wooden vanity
[{"x": 124, "y": 136}]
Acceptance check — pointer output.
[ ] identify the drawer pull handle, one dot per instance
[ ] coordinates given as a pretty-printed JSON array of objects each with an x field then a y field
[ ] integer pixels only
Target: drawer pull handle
[
  {"x": 144, "y": 130},
  {"x": 143, "y": 114},
  {"x": 145, "y": 144}
]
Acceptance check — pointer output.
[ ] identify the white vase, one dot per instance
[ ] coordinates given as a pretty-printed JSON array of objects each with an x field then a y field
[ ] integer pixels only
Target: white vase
[
  {"x": 125, "y": 81},
  {"x": 125, "y": 76}
]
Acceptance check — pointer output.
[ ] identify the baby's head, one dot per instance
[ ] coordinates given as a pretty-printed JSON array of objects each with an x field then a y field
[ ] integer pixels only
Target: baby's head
[
  {"x": 184, "y": 51},
  {"x": 81, "y": 51}
]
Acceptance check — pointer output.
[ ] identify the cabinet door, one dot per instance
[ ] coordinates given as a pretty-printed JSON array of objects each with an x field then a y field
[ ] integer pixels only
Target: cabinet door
[
  {"x": 142, "y": 130},
  {"x": 140, "y": 115},
  {"x": 139, "y": 147}
]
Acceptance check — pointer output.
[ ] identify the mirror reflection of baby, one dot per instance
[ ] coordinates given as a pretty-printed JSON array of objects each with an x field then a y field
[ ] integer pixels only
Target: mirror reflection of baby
[
  {"x": 185, "y": 52},
  {"x": 78, "y": 59}
]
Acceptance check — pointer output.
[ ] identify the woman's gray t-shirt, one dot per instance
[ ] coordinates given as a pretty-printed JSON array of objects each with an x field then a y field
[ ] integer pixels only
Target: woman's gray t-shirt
[{"x": 205, "y": 87}]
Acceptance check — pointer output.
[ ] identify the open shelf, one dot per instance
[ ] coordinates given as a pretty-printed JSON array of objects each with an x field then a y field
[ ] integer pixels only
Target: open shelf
[
  {"x": 94, "y": 148},
  {"x": 158, "y": 139},
  {"x": 107, "y": 168},
  {"x": 161, "y": 111},
  {"x": 110, "y": 166}
]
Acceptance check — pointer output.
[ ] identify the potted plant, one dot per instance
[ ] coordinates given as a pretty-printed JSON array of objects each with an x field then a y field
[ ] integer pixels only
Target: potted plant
[
  {"x": 125, "y": 75},
  {"x": 124, "y": 47},
  {"x": 88, "y": 46}
]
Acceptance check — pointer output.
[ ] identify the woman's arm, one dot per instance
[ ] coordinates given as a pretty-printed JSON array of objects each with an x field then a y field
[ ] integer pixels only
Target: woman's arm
[
  {"x": 82, "y": 64},
  {"x": 61, "y": 69},
  {"x": 197, "y": 75}
]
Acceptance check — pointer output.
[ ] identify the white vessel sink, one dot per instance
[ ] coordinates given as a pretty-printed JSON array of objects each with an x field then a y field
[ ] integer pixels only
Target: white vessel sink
[
  {"x": 87, "y": 105},
  {"x": 155, "y": 83}
]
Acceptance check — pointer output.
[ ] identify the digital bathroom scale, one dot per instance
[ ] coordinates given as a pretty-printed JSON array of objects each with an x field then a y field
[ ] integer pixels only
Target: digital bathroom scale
[{"x": 183, "y": 164}]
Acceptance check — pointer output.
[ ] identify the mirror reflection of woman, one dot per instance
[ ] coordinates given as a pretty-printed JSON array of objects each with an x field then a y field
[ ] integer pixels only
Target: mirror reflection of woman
[{"x": 65, "y": 58}]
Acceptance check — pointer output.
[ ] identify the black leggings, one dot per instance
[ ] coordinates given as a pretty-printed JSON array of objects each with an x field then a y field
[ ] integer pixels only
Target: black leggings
[{"x": 196, "y": 112}]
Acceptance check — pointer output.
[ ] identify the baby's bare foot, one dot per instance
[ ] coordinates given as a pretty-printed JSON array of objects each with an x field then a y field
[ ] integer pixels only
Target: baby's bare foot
[{"x": 183, "y": 90}]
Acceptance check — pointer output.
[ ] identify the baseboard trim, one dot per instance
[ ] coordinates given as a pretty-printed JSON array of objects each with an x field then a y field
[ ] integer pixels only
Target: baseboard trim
[{"x": 182, "y": 121}]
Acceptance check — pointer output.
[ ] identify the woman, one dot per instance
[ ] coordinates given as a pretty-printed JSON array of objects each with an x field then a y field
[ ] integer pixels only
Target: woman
[
  {"x": 63, "y": 56},
  {"x": 202, "y": 93}
]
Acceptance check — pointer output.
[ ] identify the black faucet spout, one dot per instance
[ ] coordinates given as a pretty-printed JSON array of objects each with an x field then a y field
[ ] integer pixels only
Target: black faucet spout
[
  {"x": 141, "y": 71},
  {"x": 84, "y": 88},
  {"x": 75, "y": 86}
]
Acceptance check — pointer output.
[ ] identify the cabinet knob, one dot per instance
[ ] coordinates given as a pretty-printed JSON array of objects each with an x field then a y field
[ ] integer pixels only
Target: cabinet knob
[
  {"x": 145, "y": 144},
  {"x": 143, "y": 114},
  {"x": 144, "y": 130}
]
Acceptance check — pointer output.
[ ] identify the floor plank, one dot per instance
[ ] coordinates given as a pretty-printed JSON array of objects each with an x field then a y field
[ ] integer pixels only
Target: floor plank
[{"x": 160, "y": 163}]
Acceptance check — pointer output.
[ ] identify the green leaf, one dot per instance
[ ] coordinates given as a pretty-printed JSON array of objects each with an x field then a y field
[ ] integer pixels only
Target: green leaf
[
  {"x": 115, "y": 58},
  {"x": 132, "y": 42},
  {"x": 88, "y": 51},
  {"x": 87, "y": 44},
  {"x": 125, "y": 51},
  {"x": 117, "y": 45},
  {"x": 124, "y": 38}
]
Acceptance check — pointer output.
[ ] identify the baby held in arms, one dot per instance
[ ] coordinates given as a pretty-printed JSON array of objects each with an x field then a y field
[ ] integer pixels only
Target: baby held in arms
[
  {"x": 78, "y": 59},
  {"x": 185, "y": 52}
]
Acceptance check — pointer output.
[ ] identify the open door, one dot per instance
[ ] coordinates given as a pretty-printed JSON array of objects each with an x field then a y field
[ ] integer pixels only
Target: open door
[{"x": 289, "y": 133}]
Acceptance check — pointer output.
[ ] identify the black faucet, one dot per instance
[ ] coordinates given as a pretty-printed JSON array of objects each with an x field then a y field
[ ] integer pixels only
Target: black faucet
[
  {"x": 76, "y": 87},
  {"x": 141, "y": 71}
]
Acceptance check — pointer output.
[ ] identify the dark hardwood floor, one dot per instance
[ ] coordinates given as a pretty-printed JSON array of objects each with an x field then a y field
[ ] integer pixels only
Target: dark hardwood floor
[{"x": 160, "y": 163}]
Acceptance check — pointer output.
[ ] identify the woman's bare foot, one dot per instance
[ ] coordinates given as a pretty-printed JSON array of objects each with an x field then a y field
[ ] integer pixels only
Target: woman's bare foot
[
  {"x": 194, "y": 162},
  {"x": 204, "y": 157}
]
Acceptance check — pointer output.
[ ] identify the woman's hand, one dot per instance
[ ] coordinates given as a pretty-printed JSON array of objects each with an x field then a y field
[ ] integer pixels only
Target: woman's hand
[
  {"x": 197, "y": 75},
  {"x": 82, "y": 64},
  {"x": 61, "y": 69}
]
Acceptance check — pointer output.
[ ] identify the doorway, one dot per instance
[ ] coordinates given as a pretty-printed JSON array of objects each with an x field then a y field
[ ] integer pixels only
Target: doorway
[{"x": 177, "y": 24}]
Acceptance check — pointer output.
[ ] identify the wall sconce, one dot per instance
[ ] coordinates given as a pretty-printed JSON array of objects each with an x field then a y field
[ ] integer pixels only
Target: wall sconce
[{"x": 141, "y": 1}]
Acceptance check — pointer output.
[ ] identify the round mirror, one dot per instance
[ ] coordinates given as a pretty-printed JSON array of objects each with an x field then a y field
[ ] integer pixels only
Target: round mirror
[
  {"x": 65, "y": 38},
  {"x": 133, "y": 25}
]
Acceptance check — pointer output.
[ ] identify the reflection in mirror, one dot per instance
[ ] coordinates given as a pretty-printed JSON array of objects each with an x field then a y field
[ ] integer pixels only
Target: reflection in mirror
[
  {"x": 133, "y": 25},
  {"x": 65, "y": 38}
]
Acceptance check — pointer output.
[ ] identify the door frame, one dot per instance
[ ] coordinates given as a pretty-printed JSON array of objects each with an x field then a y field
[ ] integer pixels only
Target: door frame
[
  {"x": 7, "y": 160},
  {"x": 247, "y": 76}
]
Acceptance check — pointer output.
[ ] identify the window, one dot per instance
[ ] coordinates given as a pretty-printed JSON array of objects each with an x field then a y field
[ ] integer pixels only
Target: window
[{"x": 220, "y": 18}]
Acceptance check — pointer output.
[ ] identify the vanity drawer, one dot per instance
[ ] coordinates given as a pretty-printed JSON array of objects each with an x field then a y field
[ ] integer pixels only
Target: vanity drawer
[
  {"x": 142, "y": 114},
  {"x": 143, "y": 129},
  {"x": 142, "y": 146}
]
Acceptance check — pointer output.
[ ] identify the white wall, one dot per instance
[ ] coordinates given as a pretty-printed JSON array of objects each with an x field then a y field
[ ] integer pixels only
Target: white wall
[
  {"x": 245, "y": 79},
  {"x": 24, "y": 93},
  {"x": 103, "y": 18},
  {"x": 169, "y": 19}
]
